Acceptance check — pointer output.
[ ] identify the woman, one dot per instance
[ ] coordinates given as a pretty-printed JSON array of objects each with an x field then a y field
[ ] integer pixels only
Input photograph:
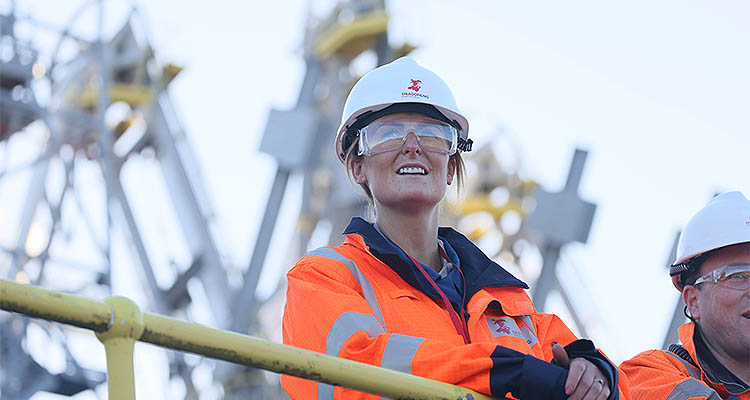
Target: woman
[{"x": 404, "y": 294}]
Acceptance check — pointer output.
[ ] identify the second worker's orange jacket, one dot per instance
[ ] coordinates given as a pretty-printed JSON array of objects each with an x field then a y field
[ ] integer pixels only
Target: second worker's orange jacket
[
  {"x": 346, "y": 301},
  {"x": 658, "y": 374}
]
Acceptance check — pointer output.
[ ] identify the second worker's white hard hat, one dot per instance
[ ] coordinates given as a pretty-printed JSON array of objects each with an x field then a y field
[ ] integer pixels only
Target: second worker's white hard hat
[{"x": 724, "y": 221}]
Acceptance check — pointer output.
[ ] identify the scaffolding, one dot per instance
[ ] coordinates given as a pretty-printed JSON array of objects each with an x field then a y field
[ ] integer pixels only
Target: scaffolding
[{"x": 109, "y": 109}]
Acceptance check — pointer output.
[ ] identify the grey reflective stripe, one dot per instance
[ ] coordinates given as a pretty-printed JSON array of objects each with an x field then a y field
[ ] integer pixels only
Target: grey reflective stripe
[
  {"x": 694, "y": 373},
  {"x": 527, "y": 320},
  {"x": 325, "y": 391},
  {"x": 399, "y": 351},
  {"x": 367, "y": 291},
  {"x": 691, "y": 388},
  {"x": 346, "y": 325},
  {"x": 529, "y": 333}
]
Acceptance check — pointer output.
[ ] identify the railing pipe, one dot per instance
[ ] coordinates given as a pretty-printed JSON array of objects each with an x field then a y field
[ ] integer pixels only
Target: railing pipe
[
  {"x": 55, "y": 306},
  {"x": 119, "y": 323}
]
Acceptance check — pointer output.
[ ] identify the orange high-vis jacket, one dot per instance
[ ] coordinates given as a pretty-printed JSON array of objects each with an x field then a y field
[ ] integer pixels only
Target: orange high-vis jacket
[
  {"x": 345, "y": 301},
  {"x": 658, "y": 374}
]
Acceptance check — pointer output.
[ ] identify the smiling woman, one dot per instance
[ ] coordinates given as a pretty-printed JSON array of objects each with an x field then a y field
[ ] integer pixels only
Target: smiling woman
[{"x": 405, "y": 294}]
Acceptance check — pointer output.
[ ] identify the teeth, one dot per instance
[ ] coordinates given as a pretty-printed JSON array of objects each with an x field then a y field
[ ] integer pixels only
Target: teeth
[{"x": 411, "y": 170}]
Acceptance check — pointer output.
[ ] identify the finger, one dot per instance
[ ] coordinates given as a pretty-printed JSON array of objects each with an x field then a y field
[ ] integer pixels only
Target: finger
[
  {"x": 597, "y": 387},
  {"x": 604, "y": 394},
  {"x": 579, "y": 393},
  {"x": 588, "y": 386},
  {"x": 575, "y": 373},
  {"x": 586, "y": 381},
  {"x": 560, "y": 356},
  {"x": 600, "y": 380},
  {"x": 594, "y": 391}
]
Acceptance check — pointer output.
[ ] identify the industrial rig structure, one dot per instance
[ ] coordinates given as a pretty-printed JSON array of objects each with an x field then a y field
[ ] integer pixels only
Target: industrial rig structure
[{"x": 75, "y": 121}]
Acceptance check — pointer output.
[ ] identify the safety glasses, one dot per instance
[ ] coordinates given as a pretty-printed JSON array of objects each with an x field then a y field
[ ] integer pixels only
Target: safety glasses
[
  {"x": 733, "y": 277},
  {"x": 387, "y": 135}
]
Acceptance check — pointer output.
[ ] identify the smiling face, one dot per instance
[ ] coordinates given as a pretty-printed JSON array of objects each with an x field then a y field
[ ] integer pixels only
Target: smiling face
[
  {"x": 408, "y": 179},
  {"x": 722, "y": 313}
]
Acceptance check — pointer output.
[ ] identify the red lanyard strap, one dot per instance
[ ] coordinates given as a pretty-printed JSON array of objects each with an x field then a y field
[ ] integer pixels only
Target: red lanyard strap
[{"x": 459, "y": 323}]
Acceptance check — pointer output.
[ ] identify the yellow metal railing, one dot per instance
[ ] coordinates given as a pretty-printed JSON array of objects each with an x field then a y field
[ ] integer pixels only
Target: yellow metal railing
[{"x": 118, "y": 323}]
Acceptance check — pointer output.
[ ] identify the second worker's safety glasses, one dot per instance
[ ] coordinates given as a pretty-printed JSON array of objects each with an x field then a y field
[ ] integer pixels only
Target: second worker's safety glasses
[
  {"x": 732, "y": 276},
  {"x": 387, "y": 135}
]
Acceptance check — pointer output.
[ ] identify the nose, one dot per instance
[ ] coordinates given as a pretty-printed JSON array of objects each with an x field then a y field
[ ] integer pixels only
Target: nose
[{"x": 411, "y": 143}]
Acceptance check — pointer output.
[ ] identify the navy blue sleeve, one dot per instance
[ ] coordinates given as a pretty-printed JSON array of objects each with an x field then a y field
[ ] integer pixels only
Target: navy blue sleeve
[
  {"x": 585, "y": 349},
  {"x": 525, "y": 376}
]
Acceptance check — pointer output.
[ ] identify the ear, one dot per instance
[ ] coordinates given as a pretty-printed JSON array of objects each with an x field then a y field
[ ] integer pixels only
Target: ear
[
  {"x": 451, "y": 169},
  {"x": 690, "y": 296},
  {"x": 357, "y": 171}
]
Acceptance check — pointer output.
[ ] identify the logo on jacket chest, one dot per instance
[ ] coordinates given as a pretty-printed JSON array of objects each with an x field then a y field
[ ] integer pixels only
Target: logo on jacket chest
[{"x": 506, "y": 326}]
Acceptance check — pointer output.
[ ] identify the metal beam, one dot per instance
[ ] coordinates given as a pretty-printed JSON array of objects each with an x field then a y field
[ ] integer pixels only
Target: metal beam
[
  {"x": 559, "y": 218},
  {"x": 154, "y": 293},
  {"x": 34, "y": 195},
  {"x": 195, "y": 227}
]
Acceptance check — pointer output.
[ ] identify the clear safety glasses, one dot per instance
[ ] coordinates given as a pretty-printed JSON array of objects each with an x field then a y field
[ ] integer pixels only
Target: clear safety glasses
[
  {"x": 733, "y": 277},
  {"x": 381, "y": 136}
]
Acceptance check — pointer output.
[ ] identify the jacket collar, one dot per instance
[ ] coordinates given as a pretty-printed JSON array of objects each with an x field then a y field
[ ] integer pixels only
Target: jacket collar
[
  {"x": 480, "y": 272},
  {"x": 716, "y": 372}
]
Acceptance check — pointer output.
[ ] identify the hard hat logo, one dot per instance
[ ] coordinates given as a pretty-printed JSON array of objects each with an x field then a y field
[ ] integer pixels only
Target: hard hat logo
[{"x": 415, "y": 85}]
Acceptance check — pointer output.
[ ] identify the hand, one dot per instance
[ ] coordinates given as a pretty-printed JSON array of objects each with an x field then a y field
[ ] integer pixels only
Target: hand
[{"x": 585, "y": 381}]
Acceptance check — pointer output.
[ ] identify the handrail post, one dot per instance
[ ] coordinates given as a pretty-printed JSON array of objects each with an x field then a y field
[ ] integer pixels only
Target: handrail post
[
  {"x": 125, "y": 328},
  {"x": 119, "y": 323}
]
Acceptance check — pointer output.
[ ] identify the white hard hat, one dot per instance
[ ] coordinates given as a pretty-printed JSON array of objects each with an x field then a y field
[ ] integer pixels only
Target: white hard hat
[
  {"x": 724, "y": 221},
  {"x": 402, "y": 81}
]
